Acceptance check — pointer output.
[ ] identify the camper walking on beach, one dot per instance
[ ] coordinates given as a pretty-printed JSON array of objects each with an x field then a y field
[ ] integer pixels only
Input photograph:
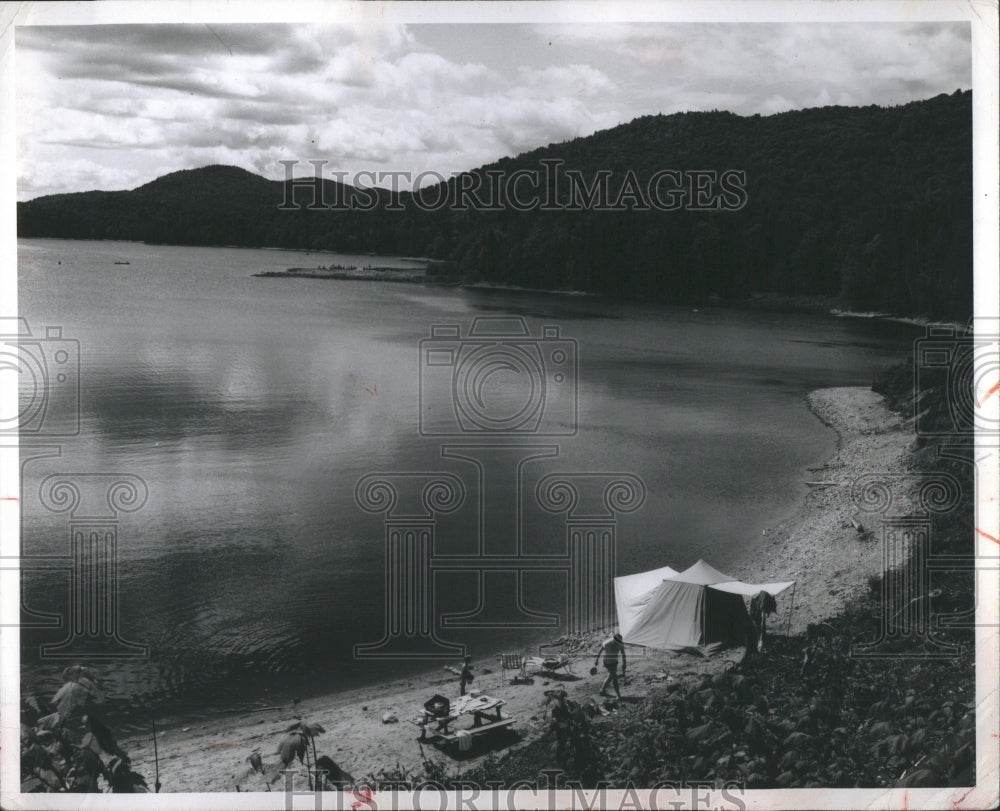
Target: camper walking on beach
[
  {"x": 465, "y": 677},
  {"x": 610, "y": 649}
]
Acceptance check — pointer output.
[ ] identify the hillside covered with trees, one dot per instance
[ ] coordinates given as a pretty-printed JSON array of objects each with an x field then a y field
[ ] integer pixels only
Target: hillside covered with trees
[{"x": 872, "y": 206}]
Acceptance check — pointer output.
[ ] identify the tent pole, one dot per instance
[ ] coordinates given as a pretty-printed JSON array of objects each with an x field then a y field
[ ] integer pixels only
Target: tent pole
[{"x": 791, "y": 606}]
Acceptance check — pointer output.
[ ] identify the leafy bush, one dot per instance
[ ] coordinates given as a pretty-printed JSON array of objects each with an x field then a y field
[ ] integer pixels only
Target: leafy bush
[
  {"x": 297, "y": 742},
  {"x": 66, "y": 747},
  {"x": 808, "y": 714},
  {"x": 575, "y": 750}
]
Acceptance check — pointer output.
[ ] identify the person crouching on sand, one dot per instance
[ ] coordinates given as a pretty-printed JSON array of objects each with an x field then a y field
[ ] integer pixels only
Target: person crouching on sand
[
  {"x": 611, "y": 648},
  {"x": 466, "y": 675}
]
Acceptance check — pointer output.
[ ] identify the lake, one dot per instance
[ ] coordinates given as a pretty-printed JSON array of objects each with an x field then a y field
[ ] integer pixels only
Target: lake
[{"x": 250, "y": 408}]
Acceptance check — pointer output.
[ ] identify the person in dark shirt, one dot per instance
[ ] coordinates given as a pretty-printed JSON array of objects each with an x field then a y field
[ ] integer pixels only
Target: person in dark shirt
[{"x": 466, "y": 675}]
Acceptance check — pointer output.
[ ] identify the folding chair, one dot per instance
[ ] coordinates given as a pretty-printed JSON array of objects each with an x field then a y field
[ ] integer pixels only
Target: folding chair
[
  {"x": 515, "y": 662},
  {"x": 548, "y": 666},
  {"x": 553, "y": 663}
]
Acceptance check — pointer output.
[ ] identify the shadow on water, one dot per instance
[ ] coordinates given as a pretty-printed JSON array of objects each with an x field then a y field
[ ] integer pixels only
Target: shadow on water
[
  {"x": 251, "y": 572},
  {"x": 539, "y": 304},
  {"x": 556, "y": 313},
  {"x": 848, "y": 344},
  {"x": 178, "y": 409}
]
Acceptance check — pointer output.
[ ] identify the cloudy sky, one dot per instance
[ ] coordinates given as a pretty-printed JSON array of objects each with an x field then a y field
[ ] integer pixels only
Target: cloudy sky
[{"x": 113, "y": 107}]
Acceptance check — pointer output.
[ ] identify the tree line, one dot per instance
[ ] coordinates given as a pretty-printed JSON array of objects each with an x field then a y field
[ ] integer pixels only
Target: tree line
[{"x": 870, "y": 206}]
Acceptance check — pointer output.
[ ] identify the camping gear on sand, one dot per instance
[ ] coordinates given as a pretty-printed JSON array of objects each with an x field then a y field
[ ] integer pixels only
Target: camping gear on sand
[
  {"x": 515, "y": 662},
  {"x": 437, "y": 706},
  {"x": 700, "y": 608},
  {"x": 554, "y": 663},
  {"x": 485, "y": 711},
  {"x": 463, "y": 739},
  {"x": 549, "y": 665}
]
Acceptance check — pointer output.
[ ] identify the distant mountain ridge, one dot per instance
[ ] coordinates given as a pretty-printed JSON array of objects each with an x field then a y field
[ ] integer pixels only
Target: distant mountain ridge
[{"x": 871, "y": 205}]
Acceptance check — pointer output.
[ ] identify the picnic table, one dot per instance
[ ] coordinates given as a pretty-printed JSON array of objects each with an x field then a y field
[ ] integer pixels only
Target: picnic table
[{"x": 485, "y": 712}]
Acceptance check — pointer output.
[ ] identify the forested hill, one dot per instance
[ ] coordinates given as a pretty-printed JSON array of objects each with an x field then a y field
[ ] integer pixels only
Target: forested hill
[{"x": 871, "y": 204}]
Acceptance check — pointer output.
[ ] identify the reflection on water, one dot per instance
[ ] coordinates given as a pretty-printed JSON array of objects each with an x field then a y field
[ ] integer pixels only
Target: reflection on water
[
  {"x": 251, "y": 407},
  {"x": 538, "y": 309},
  {"x": 165, "y": 410}
]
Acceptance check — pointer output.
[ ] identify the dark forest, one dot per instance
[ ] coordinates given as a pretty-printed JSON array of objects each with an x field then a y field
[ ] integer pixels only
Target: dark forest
[{"x": 867, "y": 206}]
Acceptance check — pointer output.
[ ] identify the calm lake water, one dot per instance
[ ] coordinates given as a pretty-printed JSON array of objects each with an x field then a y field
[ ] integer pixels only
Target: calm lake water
[{"x": 251, "y": 407}]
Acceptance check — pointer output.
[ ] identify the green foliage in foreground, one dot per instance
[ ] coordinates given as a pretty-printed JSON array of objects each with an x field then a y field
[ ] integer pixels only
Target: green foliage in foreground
[
  {"x": 845, "y": 723},
  {"x": 66, "y": 747},
  {"x": 837, "y": 722}
]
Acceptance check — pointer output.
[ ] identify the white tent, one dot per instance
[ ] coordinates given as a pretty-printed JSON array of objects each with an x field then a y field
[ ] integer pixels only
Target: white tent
[
  {"x": 633, "y": 591},
  {"x": 700, "y": 607}
]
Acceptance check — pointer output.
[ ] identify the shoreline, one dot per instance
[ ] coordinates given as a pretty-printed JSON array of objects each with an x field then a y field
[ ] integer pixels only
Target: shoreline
[
  {"x": 755, "y": 303},
  {"x": 817, "y": 546},
  {"x": 374, "y": 274},
  {"x": 413, "y": 275},
  {"x": 832, "y": 306}
]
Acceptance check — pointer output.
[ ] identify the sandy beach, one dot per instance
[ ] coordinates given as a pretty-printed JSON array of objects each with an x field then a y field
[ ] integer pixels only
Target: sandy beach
[{"x": 818, "y": 546}]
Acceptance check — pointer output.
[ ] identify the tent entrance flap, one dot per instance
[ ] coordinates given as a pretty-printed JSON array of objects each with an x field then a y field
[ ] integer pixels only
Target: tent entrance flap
[{"x": 725, "y": 618}]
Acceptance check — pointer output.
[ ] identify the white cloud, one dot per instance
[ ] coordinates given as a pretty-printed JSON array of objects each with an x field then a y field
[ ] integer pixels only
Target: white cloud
[
  {"x": 77, "y": 173},
  {"x": 576, "y": 80},
  {"x": 118, "y": 106}
]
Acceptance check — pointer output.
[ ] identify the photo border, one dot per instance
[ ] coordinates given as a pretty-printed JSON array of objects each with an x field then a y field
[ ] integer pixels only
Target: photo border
[{"x": 982, "y": 17}]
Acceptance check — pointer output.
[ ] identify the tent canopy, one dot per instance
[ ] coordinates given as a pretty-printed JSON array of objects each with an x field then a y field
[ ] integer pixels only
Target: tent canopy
[
  {"x": 700, "y": 607},
  {"x": 633, "y": 591},
  {"x": 750, "y": 589},
  {"x": 702, "y": 574}
]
